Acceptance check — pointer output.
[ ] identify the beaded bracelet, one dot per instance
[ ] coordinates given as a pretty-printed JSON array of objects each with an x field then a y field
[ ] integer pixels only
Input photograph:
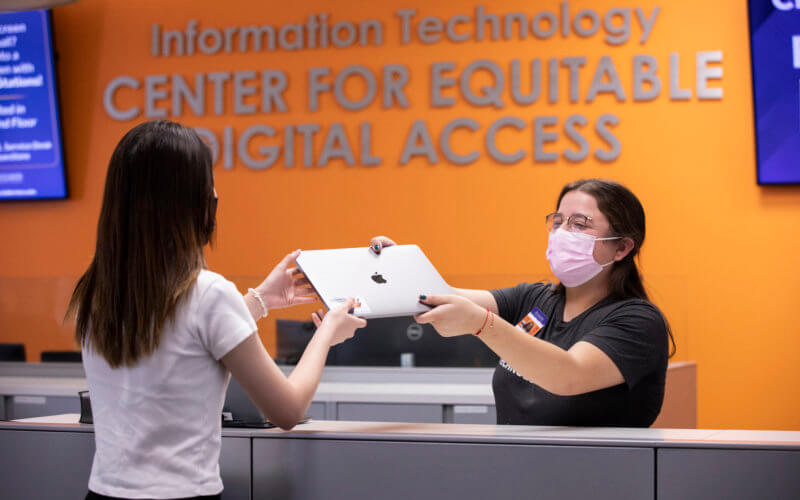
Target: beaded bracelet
[
  {"x": 484, "y": 322},
  {"x": 260, "y": 301}
]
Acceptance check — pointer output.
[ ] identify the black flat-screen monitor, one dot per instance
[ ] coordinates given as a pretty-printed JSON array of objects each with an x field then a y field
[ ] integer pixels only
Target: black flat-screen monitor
[
  {"x": 31, "y": 154},
  {"x": 383, "y": 342}
]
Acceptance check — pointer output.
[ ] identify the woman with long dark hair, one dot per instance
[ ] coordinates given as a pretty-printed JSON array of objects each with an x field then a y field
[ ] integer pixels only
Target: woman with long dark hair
[
  {"x": 590, "y": 350},
  {"x": 161, "y": 334}
]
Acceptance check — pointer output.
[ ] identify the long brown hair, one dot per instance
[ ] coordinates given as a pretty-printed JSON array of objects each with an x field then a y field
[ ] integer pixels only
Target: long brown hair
[
  {"x": 158, "y": 213},
  {"x": 625, "y": 215}
]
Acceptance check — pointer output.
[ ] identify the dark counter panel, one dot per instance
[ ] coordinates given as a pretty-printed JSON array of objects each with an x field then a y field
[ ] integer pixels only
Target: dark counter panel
[{"x": 340, "y": 469}]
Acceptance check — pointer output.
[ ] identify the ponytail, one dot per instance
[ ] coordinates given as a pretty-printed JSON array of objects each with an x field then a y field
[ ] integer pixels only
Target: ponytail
[{"x": 625, "y": 215}]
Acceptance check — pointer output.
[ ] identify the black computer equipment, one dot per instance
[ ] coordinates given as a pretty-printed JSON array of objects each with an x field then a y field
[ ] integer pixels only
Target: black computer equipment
[
  {"x": 240, "y": 411},
  {"x": 12, "y": 352},
  {"x": 383, "y": 342},
  {"x": 61, "y": 357}
]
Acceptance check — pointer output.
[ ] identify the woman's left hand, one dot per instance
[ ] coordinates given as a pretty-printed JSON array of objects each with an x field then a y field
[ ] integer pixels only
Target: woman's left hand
[
  {"x": 452, "y": 315},
  {"x": 286, "y": 287}
]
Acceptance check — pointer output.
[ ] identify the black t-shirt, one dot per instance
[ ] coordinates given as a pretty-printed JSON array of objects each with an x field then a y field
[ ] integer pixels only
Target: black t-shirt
[{"x": 631, "y": 332}]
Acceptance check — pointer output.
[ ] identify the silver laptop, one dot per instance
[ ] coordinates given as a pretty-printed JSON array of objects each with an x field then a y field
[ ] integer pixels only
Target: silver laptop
[{"x": 385, "y": 285}]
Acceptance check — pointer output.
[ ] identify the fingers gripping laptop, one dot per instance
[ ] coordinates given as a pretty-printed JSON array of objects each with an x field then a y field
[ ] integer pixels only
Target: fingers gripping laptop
[{"x": 385, "y": 285}]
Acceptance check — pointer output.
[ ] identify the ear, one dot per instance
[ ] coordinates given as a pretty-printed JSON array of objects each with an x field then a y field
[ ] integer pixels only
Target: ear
[{"x": 624, "y": 247}]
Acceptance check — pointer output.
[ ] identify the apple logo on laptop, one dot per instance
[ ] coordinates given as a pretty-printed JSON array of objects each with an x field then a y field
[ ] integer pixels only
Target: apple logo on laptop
[{"x": 378, "y": 278}]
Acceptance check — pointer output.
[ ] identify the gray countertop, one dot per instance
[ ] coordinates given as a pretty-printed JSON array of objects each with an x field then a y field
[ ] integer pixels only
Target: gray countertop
[{"x": 495, "y": 434}]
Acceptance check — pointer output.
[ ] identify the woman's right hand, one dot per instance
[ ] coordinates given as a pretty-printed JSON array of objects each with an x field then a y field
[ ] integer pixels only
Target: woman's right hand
[
  {"x": 338, "y": 322},
  {"x": 378, "y": 243}
]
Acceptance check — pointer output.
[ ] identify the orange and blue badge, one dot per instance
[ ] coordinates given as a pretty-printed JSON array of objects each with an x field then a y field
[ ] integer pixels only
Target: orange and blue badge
[{"x": 533, "y": 321}]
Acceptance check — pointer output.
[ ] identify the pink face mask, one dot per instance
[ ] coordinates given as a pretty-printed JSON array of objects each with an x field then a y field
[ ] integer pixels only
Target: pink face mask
[{"x": 571, "y": 256}]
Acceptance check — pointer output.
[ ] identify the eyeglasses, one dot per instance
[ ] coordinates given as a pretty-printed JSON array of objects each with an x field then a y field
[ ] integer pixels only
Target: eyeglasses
[{"x": 576, "y": 223}]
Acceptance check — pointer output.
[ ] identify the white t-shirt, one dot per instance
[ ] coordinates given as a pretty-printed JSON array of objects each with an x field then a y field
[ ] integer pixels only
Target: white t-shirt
[{"x": 157, "y": 424}]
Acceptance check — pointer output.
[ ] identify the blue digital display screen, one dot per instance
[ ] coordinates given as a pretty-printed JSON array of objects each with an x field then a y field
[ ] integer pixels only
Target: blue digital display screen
[
  {"x": 31, "y": 156},
  {"x": 775, "y": 54}
]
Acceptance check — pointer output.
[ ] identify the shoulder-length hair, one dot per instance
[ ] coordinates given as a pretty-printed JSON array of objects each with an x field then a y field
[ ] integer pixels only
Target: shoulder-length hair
[
  {"x": 158, "y": 212},
  {"x": 625, "y": 215}
]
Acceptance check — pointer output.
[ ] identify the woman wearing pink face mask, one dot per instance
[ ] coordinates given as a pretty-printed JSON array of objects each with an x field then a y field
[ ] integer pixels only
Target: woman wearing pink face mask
[{"x": 589, "y": 351}]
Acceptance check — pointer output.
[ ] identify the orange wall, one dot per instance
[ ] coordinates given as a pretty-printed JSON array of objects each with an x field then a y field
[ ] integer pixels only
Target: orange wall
[{"x": 720, "y": 257}]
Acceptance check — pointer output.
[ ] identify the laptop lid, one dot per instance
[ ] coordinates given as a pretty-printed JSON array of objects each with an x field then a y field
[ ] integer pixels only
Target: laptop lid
[{"x": 385, "y": 285}]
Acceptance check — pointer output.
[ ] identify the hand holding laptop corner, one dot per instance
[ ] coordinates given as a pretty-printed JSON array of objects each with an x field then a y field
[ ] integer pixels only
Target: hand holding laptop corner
[
  {"x": 452, "y": 315},
  {"x": 378, "y": 243},
  {"x": 285, "y": 286},
  {"x": 338, "y": 323}
]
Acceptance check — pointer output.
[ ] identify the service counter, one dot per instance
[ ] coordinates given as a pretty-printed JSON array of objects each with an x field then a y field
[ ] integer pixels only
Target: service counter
[{"x": 50, "y": 457}]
